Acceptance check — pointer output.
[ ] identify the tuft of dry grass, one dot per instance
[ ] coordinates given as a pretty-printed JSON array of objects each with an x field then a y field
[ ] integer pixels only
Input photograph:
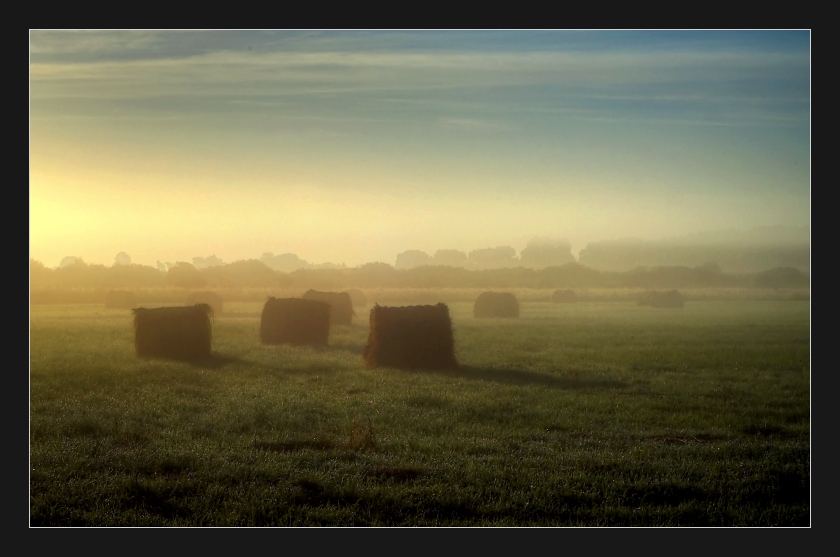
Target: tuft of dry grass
[{"x": 361, "y": 438}]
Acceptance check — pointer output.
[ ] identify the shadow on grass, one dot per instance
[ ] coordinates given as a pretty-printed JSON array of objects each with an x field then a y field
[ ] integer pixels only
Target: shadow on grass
[
  {"x": 353, "y": 348},
  {"x": 295, "y": 445},
  {"x": 523, "y": 377},
  {"x": 214, "y": 361}
]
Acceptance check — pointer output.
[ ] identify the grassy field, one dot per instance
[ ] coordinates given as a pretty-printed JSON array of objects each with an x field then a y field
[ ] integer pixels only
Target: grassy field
[{"x": 588, "y": 414}]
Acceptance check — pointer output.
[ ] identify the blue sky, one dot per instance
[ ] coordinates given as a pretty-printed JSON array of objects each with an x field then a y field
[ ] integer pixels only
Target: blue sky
[{"x": 354, "y": 146}]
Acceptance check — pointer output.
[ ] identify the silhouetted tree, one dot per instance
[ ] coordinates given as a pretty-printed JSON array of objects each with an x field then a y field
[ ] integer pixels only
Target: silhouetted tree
[
  {"x": 185, "y": 275},
  {"x": 493, "y": 258},
  {"x": 782, "y": 277},
  {"x": 286, "y": 262},
  {"x": 412, "y": 258},
  {"x": 71, "y": 260},
  {"x": 245, "y": 272},
  {"x": 708, "y": 274},
  {"x": 205, "y": 262},
  {"x": 122, "y": 258},
  {"x": 450, "y": 258},
  {"x": 39, "y": 275},
  {"x": 546, "y": 252}
]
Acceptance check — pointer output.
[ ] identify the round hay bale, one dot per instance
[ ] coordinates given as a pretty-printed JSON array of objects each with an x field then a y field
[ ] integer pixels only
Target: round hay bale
[
  {"x": 210, "y": 298},
  {"x": 120, "y": 299},
  {"x": 180, "y": 333},
  {"x": 341, "y": 305},
  {"x": 645, "y": 298},
  {"x": 496, "y": 304},
  {"x": 295, "y": 321},
  {"x": 564, "y": 297},
  {"x": 671, "y": 299},
  {"x": 412, "y": 337}
]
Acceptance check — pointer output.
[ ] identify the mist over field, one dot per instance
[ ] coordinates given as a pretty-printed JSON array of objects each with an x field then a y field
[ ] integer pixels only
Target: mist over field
[
  {"x": 420, "y": 278},
  {"x": 353, "y": 147}
]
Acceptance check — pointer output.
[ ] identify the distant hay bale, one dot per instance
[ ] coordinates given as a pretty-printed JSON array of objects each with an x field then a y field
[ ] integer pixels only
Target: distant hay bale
[
  {"x": 120, "y": 299},
  {"x": 671, "y": 299},
  {"x": 210, "y": 298},
  {"x": 173, "y": 332},
  {"x": 496, "y": 304},
  {"x": 564, "y": 297},
  {"x": 645, "y": 298},
  {"x": 341, "y": 305},
  {"x": 413, "y": 337},
  {"x": 358, "y": 298},
  {"x": 295, "y": 321}
]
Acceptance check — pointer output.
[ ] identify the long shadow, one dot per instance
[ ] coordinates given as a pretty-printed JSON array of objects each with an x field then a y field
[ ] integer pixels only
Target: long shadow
[
  {"x": 523, "y": 377},
  {"x": 214, "y": 361},
  {"x": 356, "y": 348}
]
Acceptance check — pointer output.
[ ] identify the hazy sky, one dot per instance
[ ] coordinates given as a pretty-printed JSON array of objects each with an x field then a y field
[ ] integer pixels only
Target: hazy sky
[{"x": 351, "y": 147}]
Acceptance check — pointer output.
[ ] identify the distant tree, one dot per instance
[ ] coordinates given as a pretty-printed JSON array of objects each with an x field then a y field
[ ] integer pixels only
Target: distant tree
[
  {"x": 286, "y": 262},
  {"x": 373, "y": 274},
  {"x": 39, "y": 274},
  {"x": 546, "y": 252},
  {"x": 450, "y": 258},
  {"x": 206, "y": 262},
  {"x": 134, "y": 276},
  {"x": 70, "y": 260},
  {"x": 412, "y": 258},
  {"x": 708, "y": 274},
  {"x": 185, "y": 275},
  {"x": 782, "y": 277},
  {"x": 493, "y": 258},
  {"x": 122, "y": 258},
  {"x": 162, "y": 267},
  {"x": 250, "y": 272}
]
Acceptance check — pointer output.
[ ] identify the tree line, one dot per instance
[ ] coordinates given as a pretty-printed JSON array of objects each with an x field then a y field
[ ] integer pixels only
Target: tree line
[{"x": 255, "y": 273}]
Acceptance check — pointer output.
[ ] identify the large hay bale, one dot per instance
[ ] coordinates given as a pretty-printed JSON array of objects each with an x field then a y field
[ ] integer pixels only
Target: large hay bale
[
  {"x": 564, "y": 297},
  {"x": 341, "y": 305},
  {"x": 295, "y": 321},
  {"x": 210, "y": 298},
  {"x": 496, "y": 304},
  {"x": 173, "y": 332},
  {"x": 413, "y": 337},
  {"x": 120, "y": 299},
  {"x": 671, "y": 299}
]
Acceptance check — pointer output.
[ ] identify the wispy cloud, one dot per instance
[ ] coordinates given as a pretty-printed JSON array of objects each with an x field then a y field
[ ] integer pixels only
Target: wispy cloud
[{"x": 455, "y": 86}]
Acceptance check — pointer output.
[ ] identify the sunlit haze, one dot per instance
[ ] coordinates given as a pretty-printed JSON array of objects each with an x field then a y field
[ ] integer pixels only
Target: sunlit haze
[{"x": 351, "y": 147}]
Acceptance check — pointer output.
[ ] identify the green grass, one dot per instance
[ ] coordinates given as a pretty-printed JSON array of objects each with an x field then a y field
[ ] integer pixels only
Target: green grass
[{"x": 579, "y": 414}]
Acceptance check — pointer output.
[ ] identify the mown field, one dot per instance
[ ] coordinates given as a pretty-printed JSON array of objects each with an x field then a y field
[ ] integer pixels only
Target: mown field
[{"x": 588, "y": 414}]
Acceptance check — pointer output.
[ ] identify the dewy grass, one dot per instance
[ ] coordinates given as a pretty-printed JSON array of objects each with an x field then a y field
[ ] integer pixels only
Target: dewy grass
[{"x": 580, "y": 414}]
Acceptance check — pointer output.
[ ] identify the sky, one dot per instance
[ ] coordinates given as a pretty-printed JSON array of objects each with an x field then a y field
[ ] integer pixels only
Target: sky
[{"x": 353, "y": 146}]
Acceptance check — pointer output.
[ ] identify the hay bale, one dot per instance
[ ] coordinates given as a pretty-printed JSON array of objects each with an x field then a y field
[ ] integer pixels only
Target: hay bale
[
  {"x": 413, "y": 337},
  {"x": 564, "y": 297},
  {"x": 173, "y": 332},
  {"x": 120, "y": 299},
  {"x": 295, "y": 321},
  {"x": 341, "y": 312},
  {"x": 671, "y": 299},
  {"x": 645, "y": 298},
  {"x": 210, "y": 298},
  {"x": 496, "y": 304},
  {"x": 358, "y": 298}
]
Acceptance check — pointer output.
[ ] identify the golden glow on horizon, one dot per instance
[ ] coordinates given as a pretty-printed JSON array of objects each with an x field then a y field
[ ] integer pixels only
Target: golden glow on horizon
[{"x": 166, "y": 149}]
